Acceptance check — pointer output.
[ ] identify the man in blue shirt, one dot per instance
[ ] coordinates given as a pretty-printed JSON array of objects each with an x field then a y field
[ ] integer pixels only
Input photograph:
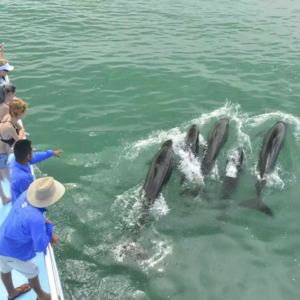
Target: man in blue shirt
[
  {"x": 25, "y": 230},
  {"x": 19, "y": 168}
]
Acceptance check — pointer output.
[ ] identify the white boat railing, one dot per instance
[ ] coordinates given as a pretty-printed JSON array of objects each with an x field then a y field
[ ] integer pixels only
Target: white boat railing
[
  {"x": 53, "y": 276},
  {"x": 50, "y": 262}
]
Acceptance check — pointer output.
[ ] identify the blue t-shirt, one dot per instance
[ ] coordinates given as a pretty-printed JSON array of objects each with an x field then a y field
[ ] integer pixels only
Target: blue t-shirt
[
  {"x": 24, "y": 230},
  {"x": 21, "y": 177}
]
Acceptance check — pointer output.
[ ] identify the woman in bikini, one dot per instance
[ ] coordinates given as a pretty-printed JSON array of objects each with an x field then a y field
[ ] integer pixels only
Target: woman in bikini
[{"x": 10, "y": 132}]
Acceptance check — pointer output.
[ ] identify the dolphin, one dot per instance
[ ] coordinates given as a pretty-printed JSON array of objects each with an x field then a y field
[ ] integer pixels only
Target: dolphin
[
  {"x": 271, "y": 147},
  {"x": 191, "y": 145},
  {"x": 216, "y": 140},
  {"x": 159, "y": 172},
  {"x": 158, "y": 176},
  {"x": 192, "y": 140}
]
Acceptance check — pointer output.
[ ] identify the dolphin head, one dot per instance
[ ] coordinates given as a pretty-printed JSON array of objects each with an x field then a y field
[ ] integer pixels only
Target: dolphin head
[
  {"x": 192, "y": 139},
  {"x": 217, "y": 138},
  {"x": 282, "y": 122},
  {"x": 167, "y": 143}
]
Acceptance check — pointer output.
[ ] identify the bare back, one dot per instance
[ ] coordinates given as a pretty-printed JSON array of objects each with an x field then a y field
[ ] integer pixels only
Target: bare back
[
  {"x": 4, "y": 110},
  {"x": 9, "y": 132}
]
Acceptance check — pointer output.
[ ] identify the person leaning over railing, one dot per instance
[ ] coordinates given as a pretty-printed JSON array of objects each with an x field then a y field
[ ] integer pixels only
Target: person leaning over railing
[
  {"x": 10, "y": 132},
  {"x": 20, "y": 166},
  {"x": 5, "y": 67},
  {"x": 25, "y": 229}
]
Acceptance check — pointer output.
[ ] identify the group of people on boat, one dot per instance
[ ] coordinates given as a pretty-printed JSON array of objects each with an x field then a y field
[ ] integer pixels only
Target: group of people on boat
[{"x": 25, "y": 230}]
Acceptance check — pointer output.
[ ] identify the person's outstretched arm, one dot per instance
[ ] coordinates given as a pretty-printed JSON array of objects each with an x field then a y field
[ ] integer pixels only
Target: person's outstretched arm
[{"x": 40, "y": 156}]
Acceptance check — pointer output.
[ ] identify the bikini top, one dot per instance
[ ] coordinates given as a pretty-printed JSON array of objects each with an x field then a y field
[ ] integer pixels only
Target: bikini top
[{"x": 11, "y": 141}]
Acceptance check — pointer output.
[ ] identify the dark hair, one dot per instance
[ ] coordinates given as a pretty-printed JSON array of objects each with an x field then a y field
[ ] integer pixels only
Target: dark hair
[
  {"x": 2, "y": 94},
  {"x": 10, "y": 88},
  {"x": 21, "y": 149},
  {"x": 5, "y": 89}
]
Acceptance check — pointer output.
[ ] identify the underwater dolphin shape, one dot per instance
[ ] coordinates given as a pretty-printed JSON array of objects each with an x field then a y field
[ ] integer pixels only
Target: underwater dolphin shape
[
  {"x": 216, "y": 140},
  {"x": 271, "y": 147}
]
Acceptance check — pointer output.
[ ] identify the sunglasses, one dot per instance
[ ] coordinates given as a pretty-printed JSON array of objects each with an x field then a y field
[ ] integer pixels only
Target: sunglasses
[{"x": 5, "y": 71}]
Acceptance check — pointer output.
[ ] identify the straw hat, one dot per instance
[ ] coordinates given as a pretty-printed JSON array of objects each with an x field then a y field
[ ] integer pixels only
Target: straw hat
[{"x": 44, "y": 192}]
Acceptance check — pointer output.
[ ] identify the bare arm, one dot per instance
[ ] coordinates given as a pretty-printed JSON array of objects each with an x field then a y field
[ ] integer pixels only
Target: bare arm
[
  {"x": 2, "y": 50},
  {"x": 21, "y": 133},
  {"x": 21, "y": 130}
]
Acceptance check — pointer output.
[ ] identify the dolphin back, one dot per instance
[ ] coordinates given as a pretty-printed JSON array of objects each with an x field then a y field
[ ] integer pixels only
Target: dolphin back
[
  {"x": 276, "y": 145},
  {"x": 159, "y": 172},
  {"x": 192, "y": 140},
  {"x": 271, "y": 148},
  {"x": 217, "y": 138},
  {"x": 268, "y": 156}
]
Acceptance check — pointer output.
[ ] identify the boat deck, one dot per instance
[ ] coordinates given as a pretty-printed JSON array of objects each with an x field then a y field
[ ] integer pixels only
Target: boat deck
[{"x": 19, "y": 279}]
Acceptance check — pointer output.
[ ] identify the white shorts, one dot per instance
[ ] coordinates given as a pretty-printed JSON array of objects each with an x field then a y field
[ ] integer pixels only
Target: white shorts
[{"x": 27, "y": 268}]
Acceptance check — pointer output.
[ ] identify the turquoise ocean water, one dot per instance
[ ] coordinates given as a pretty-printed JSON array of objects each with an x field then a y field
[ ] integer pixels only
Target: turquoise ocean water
[{"x": 109, "y": 82}]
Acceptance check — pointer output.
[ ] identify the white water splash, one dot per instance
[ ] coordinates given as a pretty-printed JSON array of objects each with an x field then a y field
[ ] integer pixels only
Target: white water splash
[
  {"x": 278, "y": 116},
  {"x": 274, "y": 180},
  {"x": 161, "y": 250},
  {"x": 177, "y": 134},
  {"x": 231, "y": 169},
  {"x": 128, "y": 205},
  {"x": 159, "y": 207},
  {"x": 233, "y": 161},
  {"x": 189, "y": 165},
  {"x": 214, "y": 173},
  {"x": 134, "y": 250},
  {"x": 133, "y": 150},
  {"x": 128, "y": 249},
  {"x": 231, "y": 111}
]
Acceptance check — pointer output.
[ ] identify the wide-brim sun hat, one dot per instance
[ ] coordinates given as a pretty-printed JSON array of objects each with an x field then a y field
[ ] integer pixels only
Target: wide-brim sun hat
[
  {"x": 6, "y": 67},
  {"x": 44, "y": 192}
]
